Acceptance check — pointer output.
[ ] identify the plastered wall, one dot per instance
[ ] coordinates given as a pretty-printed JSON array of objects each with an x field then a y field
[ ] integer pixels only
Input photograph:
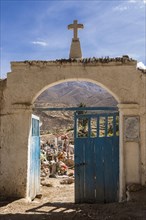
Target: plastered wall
[{"x": 28, "y": 79}]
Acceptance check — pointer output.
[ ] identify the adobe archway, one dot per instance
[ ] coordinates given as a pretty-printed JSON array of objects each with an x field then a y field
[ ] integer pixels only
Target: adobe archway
[{"x": 28, "y": 79}]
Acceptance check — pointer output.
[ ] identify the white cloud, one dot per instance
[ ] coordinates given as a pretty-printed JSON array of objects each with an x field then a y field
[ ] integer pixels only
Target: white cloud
[
  {"x": 129, "y": 5},
  {"x": 137, "y": 1},
  {"x": 132, "y": 1},
  {"x": 120, "y": 8},
  {"x": 41, "y": 43}
]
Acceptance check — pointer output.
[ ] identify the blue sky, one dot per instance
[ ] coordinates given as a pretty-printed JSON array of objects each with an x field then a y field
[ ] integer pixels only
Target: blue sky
[{"x": 37, "y": 30}]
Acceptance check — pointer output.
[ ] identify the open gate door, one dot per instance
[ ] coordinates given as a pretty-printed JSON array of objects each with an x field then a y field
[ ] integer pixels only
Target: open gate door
[
  {"x": 96, "y": 157},
  {"x": 34, "y": 159}
]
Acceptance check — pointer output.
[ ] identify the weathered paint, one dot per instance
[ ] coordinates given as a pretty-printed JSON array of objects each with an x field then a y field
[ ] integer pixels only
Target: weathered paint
[
  {"x": 76, "y": 108},
  {"x": 34, "y": 160},
  {"x": 97, "y": 160}
]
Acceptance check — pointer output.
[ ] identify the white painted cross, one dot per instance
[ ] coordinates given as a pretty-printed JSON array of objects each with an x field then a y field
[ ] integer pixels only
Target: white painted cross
[{"x": 75, "y": 26}]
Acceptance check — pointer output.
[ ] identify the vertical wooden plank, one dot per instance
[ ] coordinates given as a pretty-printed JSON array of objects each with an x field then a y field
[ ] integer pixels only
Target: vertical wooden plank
[
  {"x": 97, "y": 126},
  {"x": 89, "y": 167},
  {"x": 89, "y": 171},
  {"x": 114, "y": 124},
  {"x": 108, "y": 170},
  {"x": 32, "y": 169},
  {"x": 99, "y": 171},
  {"x": 116, "y": 167},
  {"x": 79, "y": 170},
  {"x": 34, "y": 173},
  {"x": 79, "y": 160},
  {"x": 76, "y": 160},
  {"x": 116, "y": 160},
  {"x": 38, "y": 158},
  {"x": 37, "y": 164},
  {"x": 111, "y": 166},
  {"x": 106, "y": 125}
]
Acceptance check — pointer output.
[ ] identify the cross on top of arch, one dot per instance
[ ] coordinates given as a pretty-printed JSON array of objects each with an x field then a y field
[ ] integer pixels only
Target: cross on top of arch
[{"x": 75, "y": 26}]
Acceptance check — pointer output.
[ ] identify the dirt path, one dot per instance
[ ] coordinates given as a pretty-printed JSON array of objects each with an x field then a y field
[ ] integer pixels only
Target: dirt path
[{"x": 57, "y": 203}]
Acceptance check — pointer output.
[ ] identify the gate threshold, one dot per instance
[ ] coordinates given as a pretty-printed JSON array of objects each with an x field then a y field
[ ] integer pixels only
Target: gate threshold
[{"x": 77, "y": 109}]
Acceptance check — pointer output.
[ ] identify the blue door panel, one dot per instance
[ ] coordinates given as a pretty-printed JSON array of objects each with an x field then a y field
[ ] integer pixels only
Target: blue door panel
[
  {"x": 79, "y": 171},
  {"x": 108, "y": 170},
  {"x": 97, "y": 160},
  {"x": 34, "y": 174},
  {"x": 116, "y": 167},
  {"x": 99, "y": 170},
  {"x": 89, "y": 167},
  {"x": 32, "y": 171},
  {"x": 37, "y": 163}
]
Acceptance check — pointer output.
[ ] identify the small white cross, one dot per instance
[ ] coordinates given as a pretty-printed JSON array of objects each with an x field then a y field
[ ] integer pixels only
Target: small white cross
[{"x": 75, "y": 26}]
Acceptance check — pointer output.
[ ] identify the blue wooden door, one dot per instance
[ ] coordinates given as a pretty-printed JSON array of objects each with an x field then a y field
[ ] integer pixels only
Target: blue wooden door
[
  {"x": 96, "y": 157},
  {"x": 34, "y": 171}
]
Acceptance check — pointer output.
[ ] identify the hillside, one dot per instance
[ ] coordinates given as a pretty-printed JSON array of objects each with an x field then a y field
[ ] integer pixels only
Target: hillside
[
  {"x": 66, "y": 95},
  {"x": 73, "y": 93}
]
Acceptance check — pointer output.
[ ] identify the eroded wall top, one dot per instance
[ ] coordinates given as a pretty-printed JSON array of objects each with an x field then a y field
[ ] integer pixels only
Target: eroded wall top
[{"x": 118, "y": 75}]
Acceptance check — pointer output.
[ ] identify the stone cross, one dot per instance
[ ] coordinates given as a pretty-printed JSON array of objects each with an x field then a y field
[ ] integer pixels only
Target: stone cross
[{"x": 75, "y": 26}]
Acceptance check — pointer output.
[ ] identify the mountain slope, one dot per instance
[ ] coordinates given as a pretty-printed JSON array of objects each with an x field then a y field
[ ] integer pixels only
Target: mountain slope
[
  {"x": 73, "y": 93},
  {"x": 66, "y": 95}
]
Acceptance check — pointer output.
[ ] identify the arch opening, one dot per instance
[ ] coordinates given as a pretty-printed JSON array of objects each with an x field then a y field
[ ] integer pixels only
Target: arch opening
[
  {"x": 57, "y": 137},
  {"x": 80, "y": 80}
]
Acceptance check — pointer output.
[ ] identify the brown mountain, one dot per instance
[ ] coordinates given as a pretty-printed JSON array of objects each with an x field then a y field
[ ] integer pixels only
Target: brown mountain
[
  {"x": 66, "y": 95},
  {"x": 73, "y": 93}
]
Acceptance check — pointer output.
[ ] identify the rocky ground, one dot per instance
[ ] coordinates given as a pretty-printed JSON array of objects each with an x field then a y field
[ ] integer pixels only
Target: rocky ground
[{"x": 57, "y": 203}]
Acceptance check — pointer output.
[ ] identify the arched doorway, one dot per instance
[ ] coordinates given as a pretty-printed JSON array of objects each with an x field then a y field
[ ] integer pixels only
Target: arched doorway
[{"x": 101, "y": 144}]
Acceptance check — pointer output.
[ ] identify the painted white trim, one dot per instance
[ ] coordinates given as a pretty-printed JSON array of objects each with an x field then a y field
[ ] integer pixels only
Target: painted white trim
[
  {"x": 35, "y": 117},
  {"x": 28, "y": 162}
]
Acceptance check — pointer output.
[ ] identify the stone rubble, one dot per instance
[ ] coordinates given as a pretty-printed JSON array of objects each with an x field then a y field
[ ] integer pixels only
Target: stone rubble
[{"x": 57, "y": 161}]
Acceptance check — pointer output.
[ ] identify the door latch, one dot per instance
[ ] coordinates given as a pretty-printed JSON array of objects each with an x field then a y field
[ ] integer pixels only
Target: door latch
[{"x": 80, "y": 164}]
